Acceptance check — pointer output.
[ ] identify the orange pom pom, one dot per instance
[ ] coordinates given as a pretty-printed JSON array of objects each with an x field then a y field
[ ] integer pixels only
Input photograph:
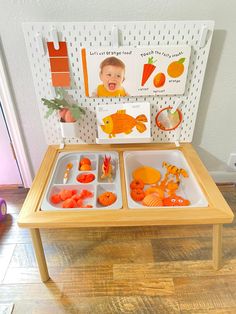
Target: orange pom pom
[{"x": 55, "y": 198}]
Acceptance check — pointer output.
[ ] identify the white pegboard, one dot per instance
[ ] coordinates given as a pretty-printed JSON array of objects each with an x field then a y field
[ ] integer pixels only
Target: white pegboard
[{"x": 97, "y": 34}]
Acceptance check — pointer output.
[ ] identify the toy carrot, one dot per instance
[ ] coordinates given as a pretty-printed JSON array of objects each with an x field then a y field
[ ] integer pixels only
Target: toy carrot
[{"x": 148, "y": 68}]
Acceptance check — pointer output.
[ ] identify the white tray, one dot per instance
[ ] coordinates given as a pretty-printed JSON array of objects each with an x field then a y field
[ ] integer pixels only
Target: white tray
[
  {"x": 189, "y": 187},
  {"x": 97, "y": 186}
]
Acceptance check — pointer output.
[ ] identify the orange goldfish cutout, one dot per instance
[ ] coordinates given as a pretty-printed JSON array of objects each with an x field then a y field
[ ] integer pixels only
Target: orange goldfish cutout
[{"x": 120, "y": 122}]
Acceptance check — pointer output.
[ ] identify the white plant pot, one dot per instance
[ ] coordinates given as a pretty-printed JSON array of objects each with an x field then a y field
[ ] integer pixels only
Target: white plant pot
[{"x": 69, "y": 129}]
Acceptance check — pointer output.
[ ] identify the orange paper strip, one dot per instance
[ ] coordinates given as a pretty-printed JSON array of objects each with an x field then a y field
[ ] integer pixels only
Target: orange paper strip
[
  {"x": 61, "y": 79},
  {"x": 61, "y": 52},
  {"x": 59, "y": 64},
  {"x": 85, "y": 71}
]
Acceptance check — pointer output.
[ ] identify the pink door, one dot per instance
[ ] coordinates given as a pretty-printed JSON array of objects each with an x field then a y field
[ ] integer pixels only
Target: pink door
[{"x": 9, "y": 172}]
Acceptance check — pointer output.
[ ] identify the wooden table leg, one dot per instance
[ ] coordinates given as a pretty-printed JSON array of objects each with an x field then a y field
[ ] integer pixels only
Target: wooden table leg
[
  {"x": 217, "y": 246},
  {"x": 39, "y": 253}
]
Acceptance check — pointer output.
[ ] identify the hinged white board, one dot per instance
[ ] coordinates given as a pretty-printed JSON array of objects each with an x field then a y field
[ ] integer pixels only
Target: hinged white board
[{"x": 99, "y": 34}]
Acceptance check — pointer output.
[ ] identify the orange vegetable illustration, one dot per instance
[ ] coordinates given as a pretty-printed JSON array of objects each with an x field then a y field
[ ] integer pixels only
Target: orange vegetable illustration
[
  {"x": 159, "y": 80},
  {"x": 176, "y": 68},
  {"x": 120, "y": 122},
  {"x": 148, "y": 68}
]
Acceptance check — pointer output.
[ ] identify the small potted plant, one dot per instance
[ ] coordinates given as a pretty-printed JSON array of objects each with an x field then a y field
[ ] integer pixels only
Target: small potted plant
[{"x": 69, "y": 113}]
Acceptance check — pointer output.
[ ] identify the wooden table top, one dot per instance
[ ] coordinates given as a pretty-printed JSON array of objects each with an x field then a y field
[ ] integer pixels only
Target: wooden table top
[{"x": 31, "y": 215}]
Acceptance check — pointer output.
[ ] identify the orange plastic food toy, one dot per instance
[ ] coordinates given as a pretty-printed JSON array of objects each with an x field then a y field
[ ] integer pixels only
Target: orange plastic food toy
[
  {"x": 152, "y": 200},
  {"x": 158, "y": 191},
  {"x": 107, "y": 198},
  {"x": 85, "y": 178},
  {"x": 137, "y": 184},
  {"x": 85, "y": 167},
  {"x": 148, "y": 175},
  {"x": 175, "y": 200},
  {"x": 137, "y": 195},
  {"x": 85, "y": 161}
]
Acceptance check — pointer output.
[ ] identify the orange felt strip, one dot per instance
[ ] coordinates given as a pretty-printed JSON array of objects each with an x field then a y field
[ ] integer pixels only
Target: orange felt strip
[
  {"x": 61, "y": 79},
  {"x": 59, "y": 64},
  {"x": 85, "y": 71},
  {"x": 61, "y": 52}
]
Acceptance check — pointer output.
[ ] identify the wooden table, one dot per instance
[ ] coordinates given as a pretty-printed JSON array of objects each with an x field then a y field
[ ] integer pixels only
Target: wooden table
[{"x": 31, "y": 216}]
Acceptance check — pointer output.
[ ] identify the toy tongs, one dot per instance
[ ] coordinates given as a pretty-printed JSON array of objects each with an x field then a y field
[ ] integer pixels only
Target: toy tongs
[{"x": 66, "y": 174}]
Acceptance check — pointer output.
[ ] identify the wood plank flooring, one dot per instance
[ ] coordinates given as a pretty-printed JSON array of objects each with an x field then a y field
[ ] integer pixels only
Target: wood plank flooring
[{"x": 117, "y": 270}]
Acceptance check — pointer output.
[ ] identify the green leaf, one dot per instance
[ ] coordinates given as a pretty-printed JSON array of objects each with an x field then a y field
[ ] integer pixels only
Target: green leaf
[
  {"x": 62, "y": 103},
  {"x": 82, "y": 110},
  {"x": 150, "y": 60},
  {"x": 60, "y": 93},
  {"x": 181, "y": 60},
  {"x": 49, "y": 112}
]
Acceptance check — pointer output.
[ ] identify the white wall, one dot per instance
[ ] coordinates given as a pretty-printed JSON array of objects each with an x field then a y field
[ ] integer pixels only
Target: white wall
[{"x": 215, "y": 135}]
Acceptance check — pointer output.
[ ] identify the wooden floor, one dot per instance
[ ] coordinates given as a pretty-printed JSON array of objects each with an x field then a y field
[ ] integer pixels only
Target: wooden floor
[{"x": 117, "y": 270}]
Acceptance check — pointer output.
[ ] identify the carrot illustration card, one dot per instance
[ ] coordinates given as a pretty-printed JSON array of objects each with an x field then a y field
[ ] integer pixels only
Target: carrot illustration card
[
  {"x": 124, "y": 121},
  {"x": 135, "y": 71}
]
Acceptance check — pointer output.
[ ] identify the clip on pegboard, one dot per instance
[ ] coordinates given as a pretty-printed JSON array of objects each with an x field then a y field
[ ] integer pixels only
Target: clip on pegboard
[
  {"x": 178, "y": 129},
  {"x": 176, "y": 105},
  {"x": 115, "y": 36},
  {"x": 55, "y": 38},
  {"x": 203, "y": 36},
  {"x": 40, "y": 43}
]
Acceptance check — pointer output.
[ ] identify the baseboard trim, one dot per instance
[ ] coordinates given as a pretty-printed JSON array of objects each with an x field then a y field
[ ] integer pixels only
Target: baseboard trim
[{"x": 223, "y": 176}]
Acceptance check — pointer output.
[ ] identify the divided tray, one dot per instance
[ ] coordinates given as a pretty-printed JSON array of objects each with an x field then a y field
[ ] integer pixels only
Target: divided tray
[{"x": 97, "y": 186}]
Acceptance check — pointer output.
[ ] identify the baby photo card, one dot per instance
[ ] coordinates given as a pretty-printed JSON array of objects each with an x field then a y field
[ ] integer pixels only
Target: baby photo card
[
  {"x": 124, "y": 121},
  {"x": 135, "y": 71}
]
